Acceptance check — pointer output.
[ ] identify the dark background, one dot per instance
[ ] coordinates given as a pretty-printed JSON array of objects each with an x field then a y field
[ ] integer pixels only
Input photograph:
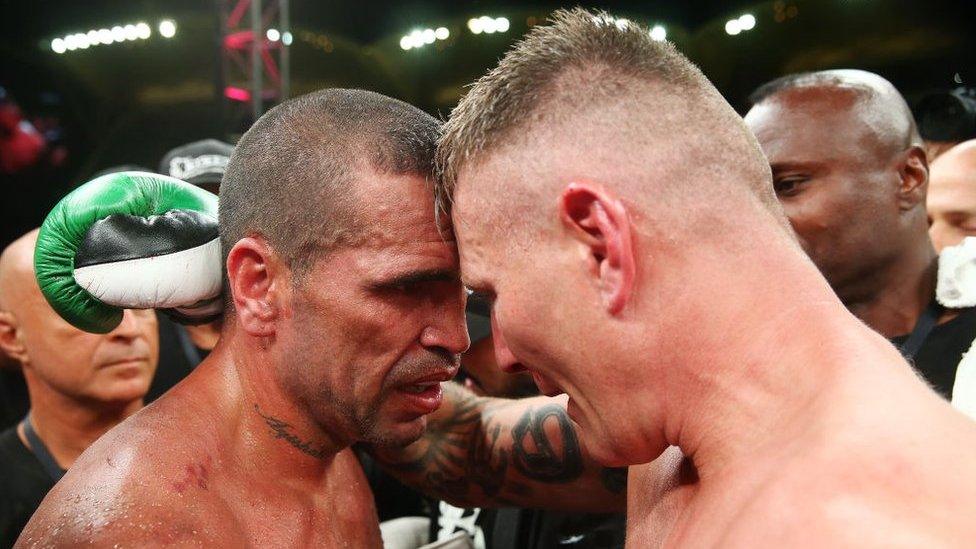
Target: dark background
[{"x": 129, "y": 103}]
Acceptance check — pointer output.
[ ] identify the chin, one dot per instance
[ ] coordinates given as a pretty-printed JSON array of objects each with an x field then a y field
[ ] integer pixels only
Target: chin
[
  {"x": 399, "y": 433},
  {"x": 123, "y": 392}
]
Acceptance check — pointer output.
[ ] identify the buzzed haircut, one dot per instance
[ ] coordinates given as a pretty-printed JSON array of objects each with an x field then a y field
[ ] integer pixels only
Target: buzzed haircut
[
  {"x": 291, "y": 177},
  {"x": 583, "y": 59}
]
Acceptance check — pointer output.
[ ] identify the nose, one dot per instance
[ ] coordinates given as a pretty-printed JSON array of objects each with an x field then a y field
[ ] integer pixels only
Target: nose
[
  {"x": 503, "y": 355},
  {"x": 447, "y": 328},
  {"x": 131, "y": 326}
]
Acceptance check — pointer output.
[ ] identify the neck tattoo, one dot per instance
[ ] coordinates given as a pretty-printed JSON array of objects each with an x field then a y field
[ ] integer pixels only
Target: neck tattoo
[{"x": 282, "y": 430}]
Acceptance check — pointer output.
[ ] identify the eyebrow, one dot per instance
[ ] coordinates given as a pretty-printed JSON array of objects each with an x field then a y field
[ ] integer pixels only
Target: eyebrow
[{"x": 420, "y": 277}]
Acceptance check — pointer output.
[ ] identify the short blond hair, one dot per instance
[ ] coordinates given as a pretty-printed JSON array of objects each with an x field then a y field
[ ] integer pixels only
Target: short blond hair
[{"x": 615, "y": 57}]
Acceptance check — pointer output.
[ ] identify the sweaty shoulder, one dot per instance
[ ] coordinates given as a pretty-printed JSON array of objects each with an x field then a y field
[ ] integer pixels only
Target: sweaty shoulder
[{"x": 148, "y": 480}]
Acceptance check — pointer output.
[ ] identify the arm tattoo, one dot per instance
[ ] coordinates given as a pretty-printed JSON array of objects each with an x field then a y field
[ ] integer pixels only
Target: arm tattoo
[
  {"x": 533, "y": 452},
  {"x": 281, "y": 430},
  {"x": 474, "y": 451}
]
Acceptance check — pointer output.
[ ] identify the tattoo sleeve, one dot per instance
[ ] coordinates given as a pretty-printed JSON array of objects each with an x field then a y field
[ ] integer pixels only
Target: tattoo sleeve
[{"x": 484, "y": 452}]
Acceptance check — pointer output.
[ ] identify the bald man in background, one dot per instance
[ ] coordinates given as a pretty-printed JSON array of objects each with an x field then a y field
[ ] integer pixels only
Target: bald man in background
[
  {"x": 80, "y": 385},
  {"x": 851, "y": 174},
  {"x": 952, "y": 196}
]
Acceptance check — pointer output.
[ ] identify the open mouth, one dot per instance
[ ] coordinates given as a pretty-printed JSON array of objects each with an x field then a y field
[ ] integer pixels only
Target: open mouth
[{"x": 419, "y": 388}]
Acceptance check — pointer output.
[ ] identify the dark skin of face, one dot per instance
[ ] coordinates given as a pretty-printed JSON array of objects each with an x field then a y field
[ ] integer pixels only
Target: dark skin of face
[{"x": 838, "y": 182}]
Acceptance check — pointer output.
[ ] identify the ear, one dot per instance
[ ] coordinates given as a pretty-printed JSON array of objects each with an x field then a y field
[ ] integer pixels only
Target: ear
[
  {"x": 913, "y": 172},
  {"x": 256, "y": 278},
  {"x": 10, "y": 342},
  {"x": 601, "y": 224}
]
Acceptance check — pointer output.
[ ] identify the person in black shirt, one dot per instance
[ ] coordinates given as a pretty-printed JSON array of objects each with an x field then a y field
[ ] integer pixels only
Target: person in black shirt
[
  {"x": 851, "y": 173},
  {"x": 80, "y": 385}
]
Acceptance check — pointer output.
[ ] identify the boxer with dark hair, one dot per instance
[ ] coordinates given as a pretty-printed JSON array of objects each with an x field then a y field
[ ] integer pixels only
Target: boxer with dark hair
[
  {"x": 344, "y": 317},
  {"x": 851, "y": 173},
  {"x": 622, "y": 219}
]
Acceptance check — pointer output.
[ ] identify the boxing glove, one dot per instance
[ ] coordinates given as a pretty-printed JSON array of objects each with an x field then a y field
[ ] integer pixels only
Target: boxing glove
[{"x": 131, "y": 240}]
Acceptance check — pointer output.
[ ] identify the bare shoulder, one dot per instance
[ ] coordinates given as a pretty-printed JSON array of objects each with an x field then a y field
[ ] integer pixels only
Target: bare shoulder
[{"x": 145, "y": 481}]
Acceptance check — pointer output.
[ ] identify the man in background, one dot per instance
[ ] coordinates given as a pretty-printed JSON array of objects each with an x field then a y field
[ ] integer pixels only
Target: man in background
[
  {"x": 851, "y": 174},
  {"x": 952, "y": 196},
  {"x": 182, "y": 347},
  {"x": 80, "y": 385}
]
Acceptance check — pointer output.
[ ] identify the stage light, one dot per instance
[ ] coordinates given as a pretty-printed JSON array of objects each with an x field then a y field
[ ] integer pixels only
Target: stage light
[
  {"x": 82, "y": 41},
  {"x": 658, "y": 33},
  {"x": 406, "y": 43},
  {"x": 105, "y": 36},
  {"x": 92, "y": 37},
  {"x": 286, "y": 38},
  {"x": 747, "y": 22},
  {"x": 167, "y": 28},
  {"x": 428, "y": 36},
  {"x": 502, "y": 24},
  {"x": 442, "y": 33},
  {"x": 130, "y": 32},
  {"x": 732, "y": 27},
  {"x": 118, "y": 34},
  {"x": 273, "y": 35},
  {"x": 143, "y": 31},
  {"x": 475, "y": 26},
  {"x": 57, "y": 45}
]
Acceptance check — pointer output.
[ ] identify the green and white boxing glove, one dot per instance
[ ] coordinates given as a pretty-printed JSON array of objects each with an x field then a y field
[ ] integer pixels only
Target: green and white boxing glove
[{"x": 131, "y": 240}]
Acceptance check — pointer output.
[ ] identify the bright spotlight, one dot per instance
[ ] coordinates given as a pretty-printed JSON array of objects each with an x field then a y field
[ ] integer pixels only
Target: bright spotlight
[
  {"x": 69, "y": 43},
  {"x": 273, "y": 35},
  {"x": 105, "y": 36},
  {"x": 406, "y": 43},
  {"x": 475, "y": 26},
  {"x": 92, "y": 37},
  {"x": 286, "y": 38},
  {"x": 82, "y": 41},
  {"x": 143, "y": 31},
  {"x": 747, "y": 22},
  {"x": 658, "y": 33},
  {"x": 118, "y": 34},
  {"x": 442, "y": 33},
  {"x": 57, "y": 45},
  {"x": 502, "y": 24},
  {"x": 732, "y": 27},
  {"x": 167, "y": 28},
  {"x": 488, "y": 24},
  {"x": 428, "y": 36},
  {"x": 130, "y": 32}
]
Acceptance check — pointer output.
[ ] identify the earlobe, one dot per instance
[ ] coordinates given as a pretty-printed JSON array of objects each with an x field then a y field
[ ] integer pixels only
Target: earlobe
[
  {"x": 601, "y": 223},
  {"x": 251, "y": 273}
]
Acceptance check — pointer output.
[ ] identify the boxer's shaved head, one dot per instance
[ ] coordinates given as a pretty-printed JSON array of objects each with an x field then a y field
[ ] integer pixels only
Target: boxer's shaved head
[
  {"x": 292, "y": 176},
  {"x": 589, "y": 79}
]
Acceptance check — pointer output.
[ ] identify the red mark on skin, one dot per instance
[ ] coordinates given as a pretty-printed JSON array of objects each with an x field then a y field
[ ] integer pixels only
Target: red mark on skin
[{"x": 194, "y": 474}]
